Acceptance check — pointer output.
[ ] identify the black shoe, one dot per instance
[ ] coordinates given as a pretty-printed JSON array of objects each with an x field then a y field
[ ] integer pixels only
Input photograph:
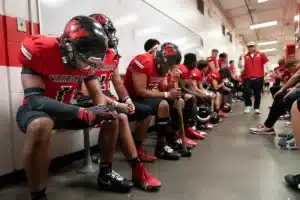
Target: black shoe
[
  {"x": 185, "y": 153},
  {"x": 114, "y": 182},
  {"x": 44, "y": 197},
  {"x": 287, "y": 136},
  {"x": 293, "y": 181},
  {"x": 167, "y": 153},
  {"x": 177, "y": 145},
  {"x": 41, "y": 195}
]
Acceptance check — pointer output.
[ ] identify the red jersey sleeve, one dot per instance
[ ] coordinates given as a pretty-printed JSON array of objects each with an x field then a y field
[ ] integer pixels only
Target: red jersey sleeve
[
  {"x": 216, "y": 75},
  {"x": 142, "y": 64},
  {"x": 264, "y": 58},
  {"x": 209, "y": 59},
  {"x": 31, "y": 50},
  {"x": 184, "y": 72},
  {"x": 196, "y": 75}
]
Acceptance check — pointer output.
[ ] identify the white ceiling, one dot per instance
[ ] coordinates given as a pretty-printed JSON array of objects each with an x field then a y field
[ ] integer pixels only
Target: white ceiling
[{"x": 281, "y": 10}]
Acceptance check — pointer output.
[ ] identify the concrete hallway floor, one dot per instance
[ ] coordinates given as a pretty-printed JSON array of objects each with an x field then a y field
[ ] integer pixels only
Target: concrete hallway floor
[{"x": 230, "y": 165}]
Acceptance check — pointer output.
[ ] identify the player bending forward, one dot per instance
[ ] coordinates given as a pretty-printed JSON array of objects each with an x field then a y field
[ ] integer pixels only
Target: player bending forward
[{"x": 52, "y": 68}]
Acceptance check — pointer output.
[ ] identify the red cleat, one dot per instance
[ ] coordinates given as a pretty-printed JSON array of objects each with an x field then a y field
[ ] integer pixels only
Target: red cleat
[
  {"x": 144, "y": 156},
  {"x": 190, "y": 142},
  {"x": 142, "y": 178},
  {"x": 222, "y": 114},
  {"x": 209, "y": 126},
  {"x": 193, "y": 134}
]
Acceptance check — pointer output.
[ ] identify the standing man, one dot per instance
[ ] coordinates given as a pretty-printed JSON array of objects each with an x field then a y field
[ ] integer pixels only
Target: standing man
[
  {"x": 213, "y": 61},
  {"x": 253, "y": 72}
]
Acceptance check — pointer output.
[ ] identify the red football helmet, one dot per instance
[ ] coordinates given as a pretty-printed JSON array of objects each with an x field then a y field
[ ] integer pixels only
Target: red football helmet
[
  {"x": 167, "y": 56},
  {"x": 109, "y": 29},
  {"x": 84, "y": 44}
]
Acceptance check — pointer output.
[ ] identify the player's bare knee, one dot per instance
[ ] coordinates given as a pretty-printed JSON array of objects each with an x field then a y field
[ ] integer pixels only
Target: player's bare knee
[
  {"x": 181, "y": 102},
  {"x": 122, "y": 118},
  {"x": 112, "y": 123},
  {"x": 163, "y": 106},
  {"x": 40, "y": 128},
  {"x": 295, "y": 109},
  {"x": 188, "y": 96}
]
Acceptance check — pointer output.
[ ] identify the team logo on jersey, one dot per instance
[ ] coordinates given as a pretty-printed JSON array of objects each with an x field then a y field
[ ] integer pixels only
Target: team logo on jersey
[
  {"x": 108, "y": 68},
  {"x": 65, "y": 78}
]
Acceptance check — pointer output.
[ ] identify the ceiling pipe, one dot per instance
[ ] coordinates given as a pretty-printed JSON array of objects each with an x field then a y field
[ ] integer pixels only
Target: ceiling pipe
[
  {"x": 249, "y": 12},
  {"x": 227, "y": 18}
]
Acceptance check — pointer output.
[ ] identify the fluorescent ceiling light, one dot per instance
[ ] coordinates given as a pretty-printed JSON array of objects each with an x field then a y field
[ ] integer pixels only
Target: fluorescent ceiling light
[
  {"x": 261, "y": 1},
  {"x": 126, "y": 20},
  {"x": 53, "y": 3},
  {"x": 146, "y": 31},
  {"x": 263, "y": 25},
  {"x": 296, "y": 18},
  {"x": 268, "y": 50},
  {"x": 267, "y": 43}
]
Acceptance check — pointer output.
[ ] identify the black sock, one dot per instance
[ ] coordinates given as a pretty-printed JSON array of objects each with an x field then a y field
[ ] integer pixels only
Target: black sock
[
  {"x": 190, "y": 111},
  {"x": 38, "y": 195},
  {"x": 134, "y": 162},
  {"x": 162, "y": 125},
  {"x": 138, "y": 143},
  {"x": 105, "y": 168}
]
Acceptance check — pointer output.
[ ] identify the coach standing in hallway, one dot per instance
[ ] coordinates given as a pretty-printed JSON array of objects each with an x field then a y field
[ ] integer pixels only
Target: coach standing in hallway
[{"x": 253, "y": 71}]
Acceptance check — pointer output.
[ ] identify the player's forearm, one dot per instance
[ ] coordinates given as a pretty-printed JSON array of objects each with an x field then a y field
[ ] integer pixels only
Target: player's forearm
[
  {"x": 192, "y": 91},
  {"x": 292, "y": 81},
  {"x": 121, "y": 92},
  {"x": 217, "y": 87},
  {"x": 151, "y": 94},
  {"x": 99, "y": 99},
  {"x": 202, "y": 92}
]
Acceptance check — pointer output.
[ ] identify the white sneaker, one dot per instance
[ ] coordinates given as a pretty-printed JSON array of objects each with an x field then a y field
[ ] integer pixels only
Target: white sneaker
[
  {"x": 262, "y": 130},
  {"x": 257, "y": 111},
  {"x": 248, "y": 109}
]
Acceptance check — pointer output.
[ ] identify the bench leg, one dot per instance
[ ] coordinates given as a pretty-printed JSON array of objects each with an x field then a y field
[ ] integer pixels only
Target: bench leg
[{"x": 88, "y": 166}]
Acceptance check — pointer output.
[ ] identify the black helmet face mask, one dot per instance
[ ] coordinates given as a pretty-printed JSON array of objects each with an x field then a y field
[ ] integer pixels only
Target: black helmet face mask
[{"x": 113, "y": 41}]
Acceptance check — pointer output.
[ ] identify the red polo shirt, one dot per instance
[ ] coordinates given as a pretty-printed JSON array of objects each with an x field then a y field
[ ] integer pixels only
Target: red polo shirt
[{"x": 254, "y": 66}]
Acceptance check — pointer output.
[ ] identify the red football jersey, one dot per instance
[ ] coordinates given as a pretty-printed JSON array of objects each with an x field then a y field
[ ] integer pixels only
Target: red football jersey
[
  {"x": 197, "y": 75},
  {"x": 143, "y": 63},
  {"x": 42, "y": 55},
  {"x": 214, "y": 76},
  {"x": 222, "y": 63},
  {"x": 185, "y": 72},
  {"x": 110, "y": 65}
]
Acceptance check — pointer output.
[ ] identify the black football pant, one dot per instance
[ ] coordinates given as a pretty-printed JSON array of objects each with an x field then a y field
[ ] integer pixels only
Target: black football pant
[
  {"x": 280, "y": 105},
  {"x": 255, "y": 85}
]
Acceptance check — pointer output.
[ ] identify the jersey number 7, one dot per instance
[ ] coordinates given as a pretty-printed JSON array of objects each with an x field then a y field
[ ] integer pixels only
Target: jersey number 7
[
  {"x": 62, "y": 92},
  {"x": 103, "y": 82}
]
